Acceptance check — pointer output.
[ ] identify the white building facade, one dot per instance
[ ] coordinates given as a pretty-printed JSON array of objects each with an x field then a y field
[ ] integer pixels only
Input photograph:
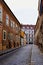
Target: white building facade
[{"x": 29, "y": 31}]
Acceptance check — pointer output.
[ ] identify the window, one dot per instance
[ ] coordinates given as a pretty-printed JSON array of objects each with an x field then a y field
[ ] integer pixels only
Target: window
[
  {"x": 13, "y": 24},
  {"x": 16, "y": 25},
  {"x": 41, "y": 28},
  {"x": 19, "y": 28},
  {"x": 10, "y": 23},
  {"x": 41, "y": 7},
  {"x": 31, "y": 27},
  {"x": 23, "y": 27},
  {"x": 0, "y": 14},
  {"x": 32, "y": 36},
  {"x": 4, "y": 35},
  {"x": 7, "y": 20},
  {"x": 29, "y": 40},
  {"x": 27, "y": 27}
]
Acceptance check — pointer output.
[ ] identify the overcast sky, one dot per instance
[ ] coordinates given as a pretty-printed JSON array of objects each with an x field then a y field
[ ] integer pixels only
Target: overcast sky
[{"x": 26, "y": 11}]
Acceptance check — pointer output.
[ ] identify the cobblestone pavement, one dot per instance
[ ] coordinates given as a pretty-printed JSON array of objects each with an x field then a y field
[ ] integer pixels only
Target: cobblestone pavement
[
  {"x": 27, "y": 55},
  {"x": 21, "y": 56},
  {"x": 37, "y": 56}
]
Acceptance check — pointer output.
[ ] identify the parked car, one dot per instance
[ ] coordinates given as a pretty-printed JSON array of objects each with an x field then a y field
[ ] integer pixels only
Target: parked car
[{"x": 30, "y": 42}]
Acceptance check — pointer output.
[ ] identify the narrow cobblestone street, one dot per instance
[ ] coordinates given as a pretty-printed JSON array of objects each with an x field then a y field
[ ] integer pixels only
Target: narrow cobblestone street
[
  {"x": 27, "y": 55},
  {"x": 21, "y": 32}
]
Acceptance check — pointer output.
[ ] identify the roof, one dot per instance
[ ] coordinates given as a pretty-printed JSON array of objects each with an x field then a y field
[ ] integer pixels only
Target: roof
[{"x": 28, "y": 26}]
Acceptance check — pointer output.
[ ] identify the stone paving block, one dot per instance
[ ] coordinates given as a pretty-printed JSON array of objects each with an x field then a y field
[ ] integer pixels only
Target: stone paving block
[{"x": 37, "y": 56}]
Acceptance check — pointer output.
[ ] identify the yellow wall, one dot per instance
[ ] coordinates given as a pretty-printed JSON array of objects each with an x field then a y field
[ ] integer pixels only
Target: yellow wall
[{"x": 22, "y": 33}]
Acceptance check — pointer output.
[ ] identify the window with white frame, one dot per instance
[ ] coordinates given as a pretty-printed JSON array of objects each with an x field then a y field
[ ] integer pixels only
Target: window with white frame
[
  {"x": 7, "y": 20},
  {"x": 4, "y": 35},
  {"x": 0, "y": 14}
]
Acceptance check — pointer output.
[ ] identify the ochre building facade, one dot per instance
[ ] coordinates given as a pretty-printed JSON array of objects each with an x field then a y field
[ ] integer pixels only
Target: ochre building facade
[
  {"x": 9, "y": 28},
  {"x": 39, "y": 25}
]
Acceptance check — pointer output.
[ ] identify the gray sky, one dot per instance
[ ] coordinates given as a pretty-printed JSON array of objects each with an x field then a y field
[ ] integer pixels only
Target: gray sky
[{"x": 26, "y": 11}]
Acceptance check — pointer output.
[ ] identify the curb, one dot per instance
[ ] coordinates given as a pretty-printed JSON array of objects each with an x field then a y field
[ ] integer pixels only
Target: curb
[{"x": 10, "y": 50}]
